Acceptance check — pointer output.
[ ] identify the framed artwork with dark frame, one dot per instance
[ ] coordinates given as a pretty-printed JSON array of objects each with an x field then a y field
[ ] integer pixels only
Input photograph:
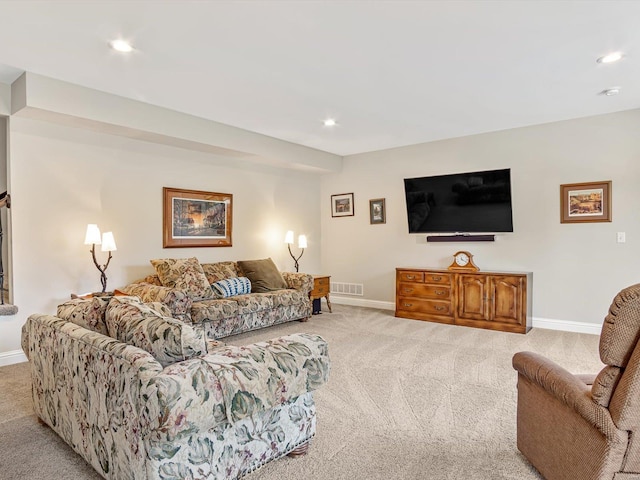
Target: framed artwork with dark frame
[
  {"x": 377, "y": 211},
  {"x": 342, "y": 205},
  {"x": 192, "y": 218},
  {"x": 585, "y": 202}
]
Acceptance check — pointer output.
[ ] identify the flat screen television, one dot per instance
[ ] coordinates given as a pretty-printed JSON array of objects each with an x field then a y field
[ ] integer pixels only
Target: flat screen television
[{"x": 471, "y": 202}]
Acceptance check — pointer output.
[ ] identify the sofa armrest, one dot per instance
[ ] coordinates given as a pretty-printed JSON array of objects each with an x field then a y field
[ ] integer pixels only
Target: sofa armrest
[
  {"x": 260, "y": 376},
  {"x": 185, "y": 397},
  {"x": 24, "y": 340},
  {"x": 299, "y": 281},
  {"x": 177, "y": 300},
  {"x": 233, "y": 382},
  {"x": 79, "y": 378},
  {"x": 565, "y": 387}
]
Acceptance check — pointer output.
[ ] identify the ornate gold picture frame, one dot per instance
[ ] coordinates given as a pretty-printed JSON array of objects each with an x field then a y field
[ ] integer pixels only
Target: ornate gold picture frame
[{"x": 192, "y": 218}]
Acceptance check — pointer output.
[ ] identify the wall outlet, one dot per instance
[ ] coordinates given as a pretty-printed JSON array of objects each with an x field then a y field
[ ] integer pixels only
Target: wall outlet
[{"x": 621, "y": 237}]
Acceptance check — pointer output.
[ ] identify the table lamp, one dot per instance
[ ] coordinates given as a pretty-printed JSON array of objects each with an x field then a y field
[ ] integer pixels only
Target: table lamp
[
  {"x": 108, "y": 244},
  {"x": 302, "y": 243}
]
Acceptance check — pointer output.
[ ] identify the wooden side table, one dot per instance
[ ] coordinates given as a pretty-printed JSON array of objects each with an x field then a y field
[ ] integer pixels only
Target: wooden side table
[{"x": 321, "y": 288}]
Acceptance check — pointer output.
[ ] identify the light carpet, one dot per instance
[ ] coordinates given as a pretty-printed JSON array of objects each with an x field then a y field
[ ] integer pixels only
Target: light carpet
[{"x": 405, "y": 400}]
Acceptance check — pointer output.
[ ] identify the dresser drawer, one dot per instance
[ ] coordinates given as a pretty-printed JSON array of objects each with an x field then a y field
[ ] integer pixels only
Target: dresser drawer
[
  {"x": 423, "y": 290},
  {"x": 434, "y": 307},
  {"x": 438, "y": 278},
  {"x": 411, "y": 276},
  {"x": 321, "y": 287}
]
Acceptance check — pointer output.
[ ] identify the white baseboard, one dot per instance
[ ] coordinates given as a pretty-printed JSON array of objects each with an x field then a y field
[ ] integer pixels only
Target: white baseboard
[
  {"x": 567, "y": 325},
  {"x": 14, "y": 356},
  {"x": 548, "y": 323},
  {"x": 363, "y": 302}
]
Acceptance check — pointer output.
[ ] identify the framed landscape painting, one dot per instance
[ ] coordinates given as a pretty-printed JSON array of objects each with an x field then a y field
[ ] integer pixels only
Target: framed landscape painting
[
  {"x": 342, "y": 205},
  {"x": 192, "y": 218},
  {"x": 585, "y": 202}
]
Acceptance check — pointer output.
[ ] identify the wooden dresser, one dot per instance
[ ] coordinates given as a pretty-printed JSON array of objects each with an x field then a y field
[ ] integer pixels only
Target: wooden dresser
[{"x": 493, "y": 300}]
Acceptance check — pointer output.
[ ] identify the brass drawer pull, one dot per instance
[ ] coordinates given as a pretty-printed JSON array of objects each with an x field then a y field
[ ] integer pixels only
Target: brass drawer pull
[
  {"x": 410, "y": 277},
  {"x": 408, "y": 290},
  {"x": 439, "y": 308},
  {"x": 436, "y": 279},
  {"x": 408, "y": 304},
  {"x": 440, "y": 292}
]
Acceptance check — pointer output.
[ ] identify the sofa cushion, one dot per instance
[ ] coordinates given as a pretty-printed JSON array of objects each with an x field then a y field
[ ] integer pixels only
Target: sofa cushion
[
  {"x": 184, "y": 274},
  {"x": 86, "y": 312},
  {"x": 220, "y": 270},
  {"x": 286, "y": 298},
  {"x": 167, "y": 339},
  {"x": 254, "y": 302},
  {"x": 263, "y": 274},
  {"x": 178, "y": 301},
  {"x": 213, "y": 310},
  {"x": 160, "y": 307},
  {"x": 230, "y": 287}
]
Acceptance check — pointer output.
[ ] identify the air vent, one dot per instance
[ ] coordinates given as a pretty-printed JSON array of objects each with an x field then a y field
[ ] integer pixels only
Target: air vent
[{"x": 341, "y": 288}]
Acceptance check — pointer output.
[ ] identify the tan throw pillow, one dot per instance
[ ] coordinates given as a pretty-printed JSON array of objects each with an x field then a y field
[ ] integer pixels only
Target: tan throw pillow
[
  {"x": 263, "y": 274},
  {"x": 167, "y": 339},
  {"x": 86, "y": 312},
  {"x": 219, "y": 271},
  {"x": 184, "y": 274}
]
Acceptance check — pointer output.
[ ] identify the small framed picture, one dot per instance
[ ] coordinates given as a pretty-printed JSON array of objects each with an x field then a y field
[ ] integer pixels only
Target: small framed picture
[
  {"x": 585, "y": 202},
  {"x": 342, "y": 205},
  {"x": 377, "y": 212}
]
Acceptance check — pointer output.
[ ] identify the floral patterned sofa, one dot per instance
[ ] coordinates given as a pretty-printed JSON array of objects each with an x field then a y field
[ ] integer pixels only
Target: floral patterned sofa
[
  {"x": 185, "y": 286},
  {"x": 156, "y": 399}
]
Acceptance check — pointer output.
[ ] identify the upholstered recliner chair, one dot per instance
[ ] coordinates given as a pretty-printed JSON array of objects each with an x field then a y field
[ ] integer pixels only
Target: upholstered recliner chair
[{"x": 579, "y": 427}]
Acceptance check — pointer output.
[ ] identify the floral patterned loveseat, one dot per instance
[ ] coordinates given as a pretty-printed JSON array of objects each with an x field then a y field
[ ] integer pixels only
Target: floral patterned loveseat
[
  {"x": 155, "y": 399},
  {"x": 186, "y": 287}
]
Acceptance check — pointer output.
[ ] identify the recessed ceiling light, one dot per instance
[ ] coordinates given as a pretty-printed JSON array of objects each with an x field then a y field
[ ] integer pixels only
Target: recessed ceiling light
[
  {"x": 610, "y": 91},
  {"x": 611, "y": 57},
  {"x": 330, "y": 122},
  {"x": 121, "y": 46}
]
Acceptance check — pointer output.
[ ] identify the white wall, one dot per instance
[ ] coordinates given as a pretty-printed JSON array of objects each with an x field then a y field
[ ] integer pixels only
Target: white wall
[
  {"x": 63, "y": 178},
  {"x": 577, "y": 268}
]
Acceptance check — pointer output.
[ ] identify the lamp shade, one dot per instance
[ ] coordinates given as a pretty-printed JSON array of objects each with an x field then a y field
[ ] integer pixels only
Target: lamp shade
[
  {"x": 108, "y": 242},
  {"x": 93, "y": 235},
  {"x": 288, "y": 238},
  {"x": 302, "y": 241}
]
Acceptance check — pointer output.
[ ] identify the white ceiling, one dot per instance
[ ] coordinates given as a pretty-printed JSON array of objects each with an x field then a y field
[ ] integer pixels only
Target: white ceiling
[{"x": 392, "y": 73}]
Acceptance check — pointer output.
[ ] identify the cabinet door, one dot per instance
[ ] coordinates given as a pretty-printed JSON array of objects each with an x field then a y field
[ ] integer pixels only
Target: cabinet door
[
  {"x": 507, "y": 299},
  {"x": 472, "y": 297}
]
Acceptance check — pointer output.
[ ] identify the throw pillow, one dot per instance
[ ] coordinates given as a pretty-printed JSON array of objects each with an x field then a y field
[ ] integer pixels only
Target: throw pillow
[
  {"x": 263, "y": 274},
  {"x": 184, "y": 274},
  {"x": 230, "y": 287},
  {"x": 167, "y": 339},
  {"x": 220, "y": 271},
  {"x": 89, "y": 313}
]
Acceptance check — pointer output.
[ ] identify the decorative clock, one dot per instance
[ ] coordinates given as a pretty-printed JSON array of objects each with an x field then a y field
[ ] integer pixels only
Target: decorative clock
[{"x": 463, "y": 261}]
